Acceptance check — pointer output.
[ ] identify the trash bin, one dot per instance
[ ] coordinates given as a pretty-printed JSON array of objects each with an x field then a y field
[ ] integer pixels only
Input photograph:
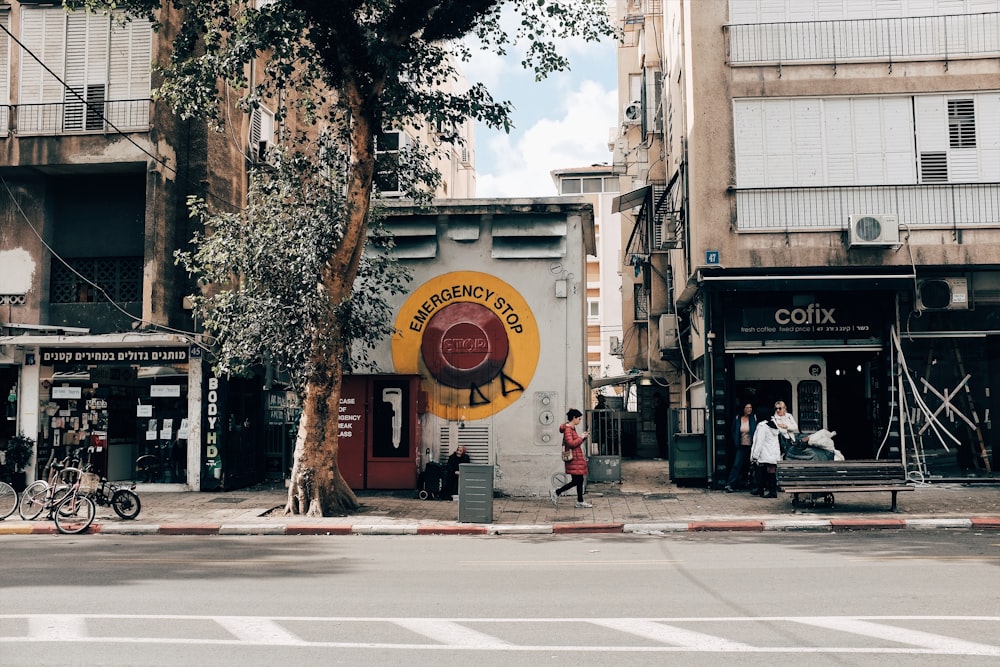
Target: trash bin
[
  {"x": 688, "y": 458},
  {"x": 475, "y": 493},
  {"x": 604, "y": 469}
]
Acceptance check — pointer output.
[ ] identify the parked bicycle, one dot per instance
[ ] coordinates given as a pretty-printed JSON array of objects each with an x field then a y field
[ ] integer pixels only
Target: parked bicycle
[
  {"x": 121, "y": 498},
  {"x": 63, "y": 496},
  {"x": 8, "y": 500}
]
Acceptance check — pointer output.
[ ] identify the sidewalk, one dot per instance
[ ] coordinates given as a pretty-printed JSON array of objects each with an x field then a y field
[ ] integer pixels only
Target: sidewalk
[{"x": 644, "y": 503}]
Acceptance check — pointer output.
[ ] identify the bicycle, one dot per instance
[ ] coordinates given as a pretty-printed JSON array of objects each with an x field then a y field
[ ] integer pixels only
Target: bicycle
[
  {"x": 8, "y": 500},
  {"x": 124, "y": 501},
  {"x": 63, "y": 495}
]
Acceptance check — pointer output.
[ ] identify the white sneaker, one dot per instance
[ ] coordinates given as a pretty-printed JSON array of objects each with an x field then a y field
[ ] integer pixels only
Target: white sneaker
[
  {"x": 554, "y": 497},
  {"x": 583, "y": 505}
]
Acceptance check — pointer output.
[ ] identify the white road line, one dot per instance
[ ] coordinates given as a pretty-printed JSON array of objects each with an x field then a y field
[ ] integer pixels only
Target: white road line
[
  {"x": 57, "y": 628},
  {"x": 901, "y": 635},
  {"x": 450, "y": 633},
  {"x": 259, "y": 630},
  {"x": 669, "y": 634}
]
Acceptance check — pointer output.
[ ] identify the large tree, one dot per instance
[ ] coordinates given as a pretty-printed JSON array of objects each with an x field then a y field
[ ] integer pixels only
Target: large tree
[{"x": 339, "y": 72}]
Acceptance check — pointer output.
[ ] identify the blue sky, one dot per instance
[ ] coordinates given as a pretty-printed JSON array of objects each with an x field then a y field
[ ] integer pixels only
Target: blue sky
[{"x": 561, "y": 122}]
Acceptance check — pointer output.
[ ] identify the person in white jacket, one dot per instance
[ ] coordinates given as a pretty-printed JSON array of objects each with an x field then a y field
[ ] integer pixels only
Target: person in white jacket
[{"x": 766, "y": 451}]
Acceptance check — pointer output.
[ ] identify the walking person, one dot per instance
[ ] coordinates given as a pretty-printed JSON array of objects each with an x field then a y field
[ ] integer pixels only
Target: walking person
[
  {"x": 743, "y": 429},
  {"x": 576, "y": 467}
]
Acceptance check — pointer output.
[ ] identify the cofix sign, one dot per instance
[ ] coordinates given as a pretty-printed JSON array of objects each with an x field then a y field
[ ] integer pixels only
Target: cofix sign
[{"x": 813, "y": 320}]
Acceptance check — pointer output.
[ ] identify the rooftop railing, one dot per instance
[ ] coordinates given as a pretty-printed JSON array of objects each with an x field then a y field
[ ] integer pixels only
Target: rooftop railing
[
  {"x": 950, "y": 205},
  {"x": 865, "y": 40}
]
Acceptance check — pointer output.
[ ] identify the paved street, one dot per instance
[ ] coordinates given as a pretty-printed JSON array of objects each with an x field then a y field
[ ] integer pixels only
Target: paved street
[{"x": 860, "y": 598}]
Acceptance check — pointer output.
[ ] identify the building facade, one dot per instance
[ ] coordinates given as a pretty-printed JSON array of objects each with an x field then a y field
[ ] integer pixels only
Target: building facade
[
  {"x": 491, "y": 326},
  {"x": 98, "y": 346},
  {"x": 599, "y": 185},
  {"x": 825, "y": 231}
]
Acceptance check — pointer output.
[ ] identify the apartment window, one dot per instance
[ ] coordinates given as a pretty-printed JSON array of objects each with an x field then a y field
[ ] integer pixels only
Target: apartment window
[
  {"x": 934, "y": 167},
  {"x": 571, "y": 186},
  {"x": 593, "y": 309},
  {"x": 104, "y": 62},
  {"x": 962, "y": 123},
  {"x": 388, "y": 149},
  {"x": 592, "y": 185},
  {"x": 640, "y": 299}
]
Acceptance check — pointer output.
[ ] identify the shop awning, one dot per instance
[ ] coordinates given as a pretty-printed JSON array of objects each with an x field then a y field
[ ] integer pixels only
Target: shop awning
[
  {"x": 821, "y": 281},
  {"x": 630, "y": 200},
  {"x": 638, "y": 377}
]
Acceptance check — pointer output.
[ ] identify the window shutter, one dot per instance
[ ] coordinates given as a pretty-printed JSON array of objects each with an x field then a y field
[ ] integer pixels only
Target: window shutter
[
  {"x": 130, "y": 66},
  {"x": 43, "y": 32},
  {"x": 4, "y": 74}
]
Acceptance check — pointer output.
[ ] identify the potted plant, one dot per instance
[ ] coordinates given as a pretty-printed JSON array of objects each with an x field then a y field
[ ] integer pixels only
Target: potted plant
[{"x": 18, "y": 454}]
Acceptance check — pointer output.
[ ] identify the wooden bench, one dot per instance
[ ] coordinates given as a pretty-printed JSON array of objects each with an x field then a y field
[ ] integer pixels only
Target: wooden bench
[{"x": 824, "y": 478}]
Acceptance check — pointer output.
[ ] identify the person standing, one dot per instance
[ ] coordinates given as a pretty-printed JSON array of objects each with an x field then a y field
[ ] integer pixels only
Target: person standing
[
  {"x": 743, "y": 430},
  {"x": 457, "y": 458},
  {"x": 576, "y": 467},
  {"x": 787, "y": 426},
  {"x": 766, "y": 451}
]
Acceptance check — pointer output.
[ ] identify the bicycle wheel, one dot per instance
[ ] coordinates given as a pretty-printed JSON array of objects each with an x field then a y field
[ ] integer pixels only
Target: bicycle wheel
[
  {"x": 147, "y": 469},
  {"x": 75, "y": 514},
  {"x": 33, "y": 499},
  {"x": 126, "y": 503},
  {"x": 8, "y": 500}
]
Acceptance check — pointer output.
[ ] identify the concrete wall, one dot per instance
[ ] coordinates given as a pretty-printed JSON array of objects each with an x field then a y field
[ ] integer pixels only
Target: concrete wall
[{"x": 533, "y": 305}]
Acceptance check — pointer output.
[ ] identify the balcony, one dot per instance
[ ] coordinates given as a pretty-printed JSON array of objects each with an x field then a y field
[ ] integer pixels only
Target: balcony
[
  {"x": 865, "y": 40},
  {"x": 951, "y": 205},
  {"x": 106, "y": 116}
]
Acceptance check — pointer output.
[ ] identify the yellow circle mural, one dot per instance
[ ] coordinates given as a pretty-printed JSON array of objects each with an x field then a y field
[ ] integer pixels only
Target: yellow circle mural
[{"x": 473, "y": 339}]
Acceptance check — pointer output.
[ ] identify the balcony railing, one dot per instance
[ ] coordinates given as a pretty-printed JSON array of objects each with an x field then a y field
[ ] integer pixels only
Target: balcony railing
[
  {"x": 950, "y": 205},
  {"x": 75, "y": 117},
  {"x": 866, "y": 40}
]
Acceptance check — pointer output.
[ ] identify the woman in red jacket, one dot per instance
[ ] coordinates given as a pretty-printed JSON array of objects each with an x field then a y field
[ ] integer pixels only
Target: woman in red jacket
[{"x": 576, "y": 467}]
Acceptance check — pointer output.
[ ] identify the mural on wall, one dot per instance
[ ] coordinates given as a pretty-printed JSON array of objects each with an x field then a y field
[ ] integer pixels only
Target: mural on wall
[{"x": 474, "y": 341}]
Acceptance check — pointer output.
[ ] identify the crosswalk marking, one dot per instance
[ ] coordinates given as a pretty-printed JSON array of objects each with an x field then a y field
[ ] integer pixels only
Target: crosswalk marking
[
  {"x": 258, "y": 630},
  {"x": 450, "y": 633},
  {"x": 901, "y": 635},
  {"x": 57, "y": 627},
  {"x": 887, "y": 635},
  {"x": 669, "y": 634}
]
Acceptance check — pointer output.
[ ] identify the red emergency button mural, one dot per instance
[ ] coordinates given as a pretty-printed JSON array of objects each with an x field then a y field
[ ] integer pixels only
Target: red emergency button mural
[{"x": 473, "y": 339}]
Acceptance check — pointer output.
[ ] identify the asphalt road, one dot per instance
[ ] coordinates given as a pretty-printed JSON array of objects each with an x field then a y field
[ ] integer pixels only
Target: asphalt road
[{"x": 866, "y": 598}]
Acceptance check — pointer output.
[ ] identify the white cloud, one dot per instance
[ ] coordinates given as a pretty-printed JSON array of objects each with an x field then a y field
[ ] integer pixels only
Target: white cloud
[{"x": 574, "y": 134}]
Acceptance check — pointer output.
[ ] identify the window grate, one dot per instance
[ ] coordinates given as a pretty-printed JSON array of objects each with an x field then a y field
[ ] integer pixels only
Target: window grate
[
  {"x": 641, "y": 301},
  {"x": 119, "y": 277},
  {"x": 962, "y": 123}
]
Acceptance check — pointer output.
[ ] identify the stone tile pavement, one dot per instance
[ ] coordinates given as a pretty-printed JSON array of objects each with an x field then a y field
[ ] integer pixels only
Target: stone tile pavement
[{"x": 644, "y": 502}]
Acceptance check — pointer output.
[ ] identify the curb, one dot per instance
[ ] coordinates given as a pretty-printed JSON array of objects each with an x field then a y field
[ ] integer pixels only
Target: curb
[{"x": 773, "y": 525}]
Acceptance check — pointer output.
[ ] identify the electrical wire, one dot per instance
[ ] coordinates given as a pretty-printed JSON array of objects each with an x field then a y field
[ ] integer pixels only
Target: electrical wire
[
  {"x": 98, "y": 111},
  {"x": 192, "y": 337}
]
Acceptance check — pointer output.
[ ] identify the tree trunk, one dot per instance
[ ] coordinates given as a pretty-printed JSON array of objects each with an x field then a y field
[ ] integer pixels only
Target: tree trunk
[{"x": 317, "y": 488}]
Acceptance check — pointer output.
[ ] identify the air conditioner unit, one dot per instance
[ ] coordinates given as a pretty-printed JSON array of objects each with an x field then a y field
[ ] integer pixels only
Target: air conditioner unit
[
  {"x": 668, "y": 332},
  {"x": 261, "y": 132},
  {"x": 943, "y": 294},
  {"x": 615, "y": 347},
  {"x": 632, "y": 113},
  {"x": 872, "y": 230}
]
